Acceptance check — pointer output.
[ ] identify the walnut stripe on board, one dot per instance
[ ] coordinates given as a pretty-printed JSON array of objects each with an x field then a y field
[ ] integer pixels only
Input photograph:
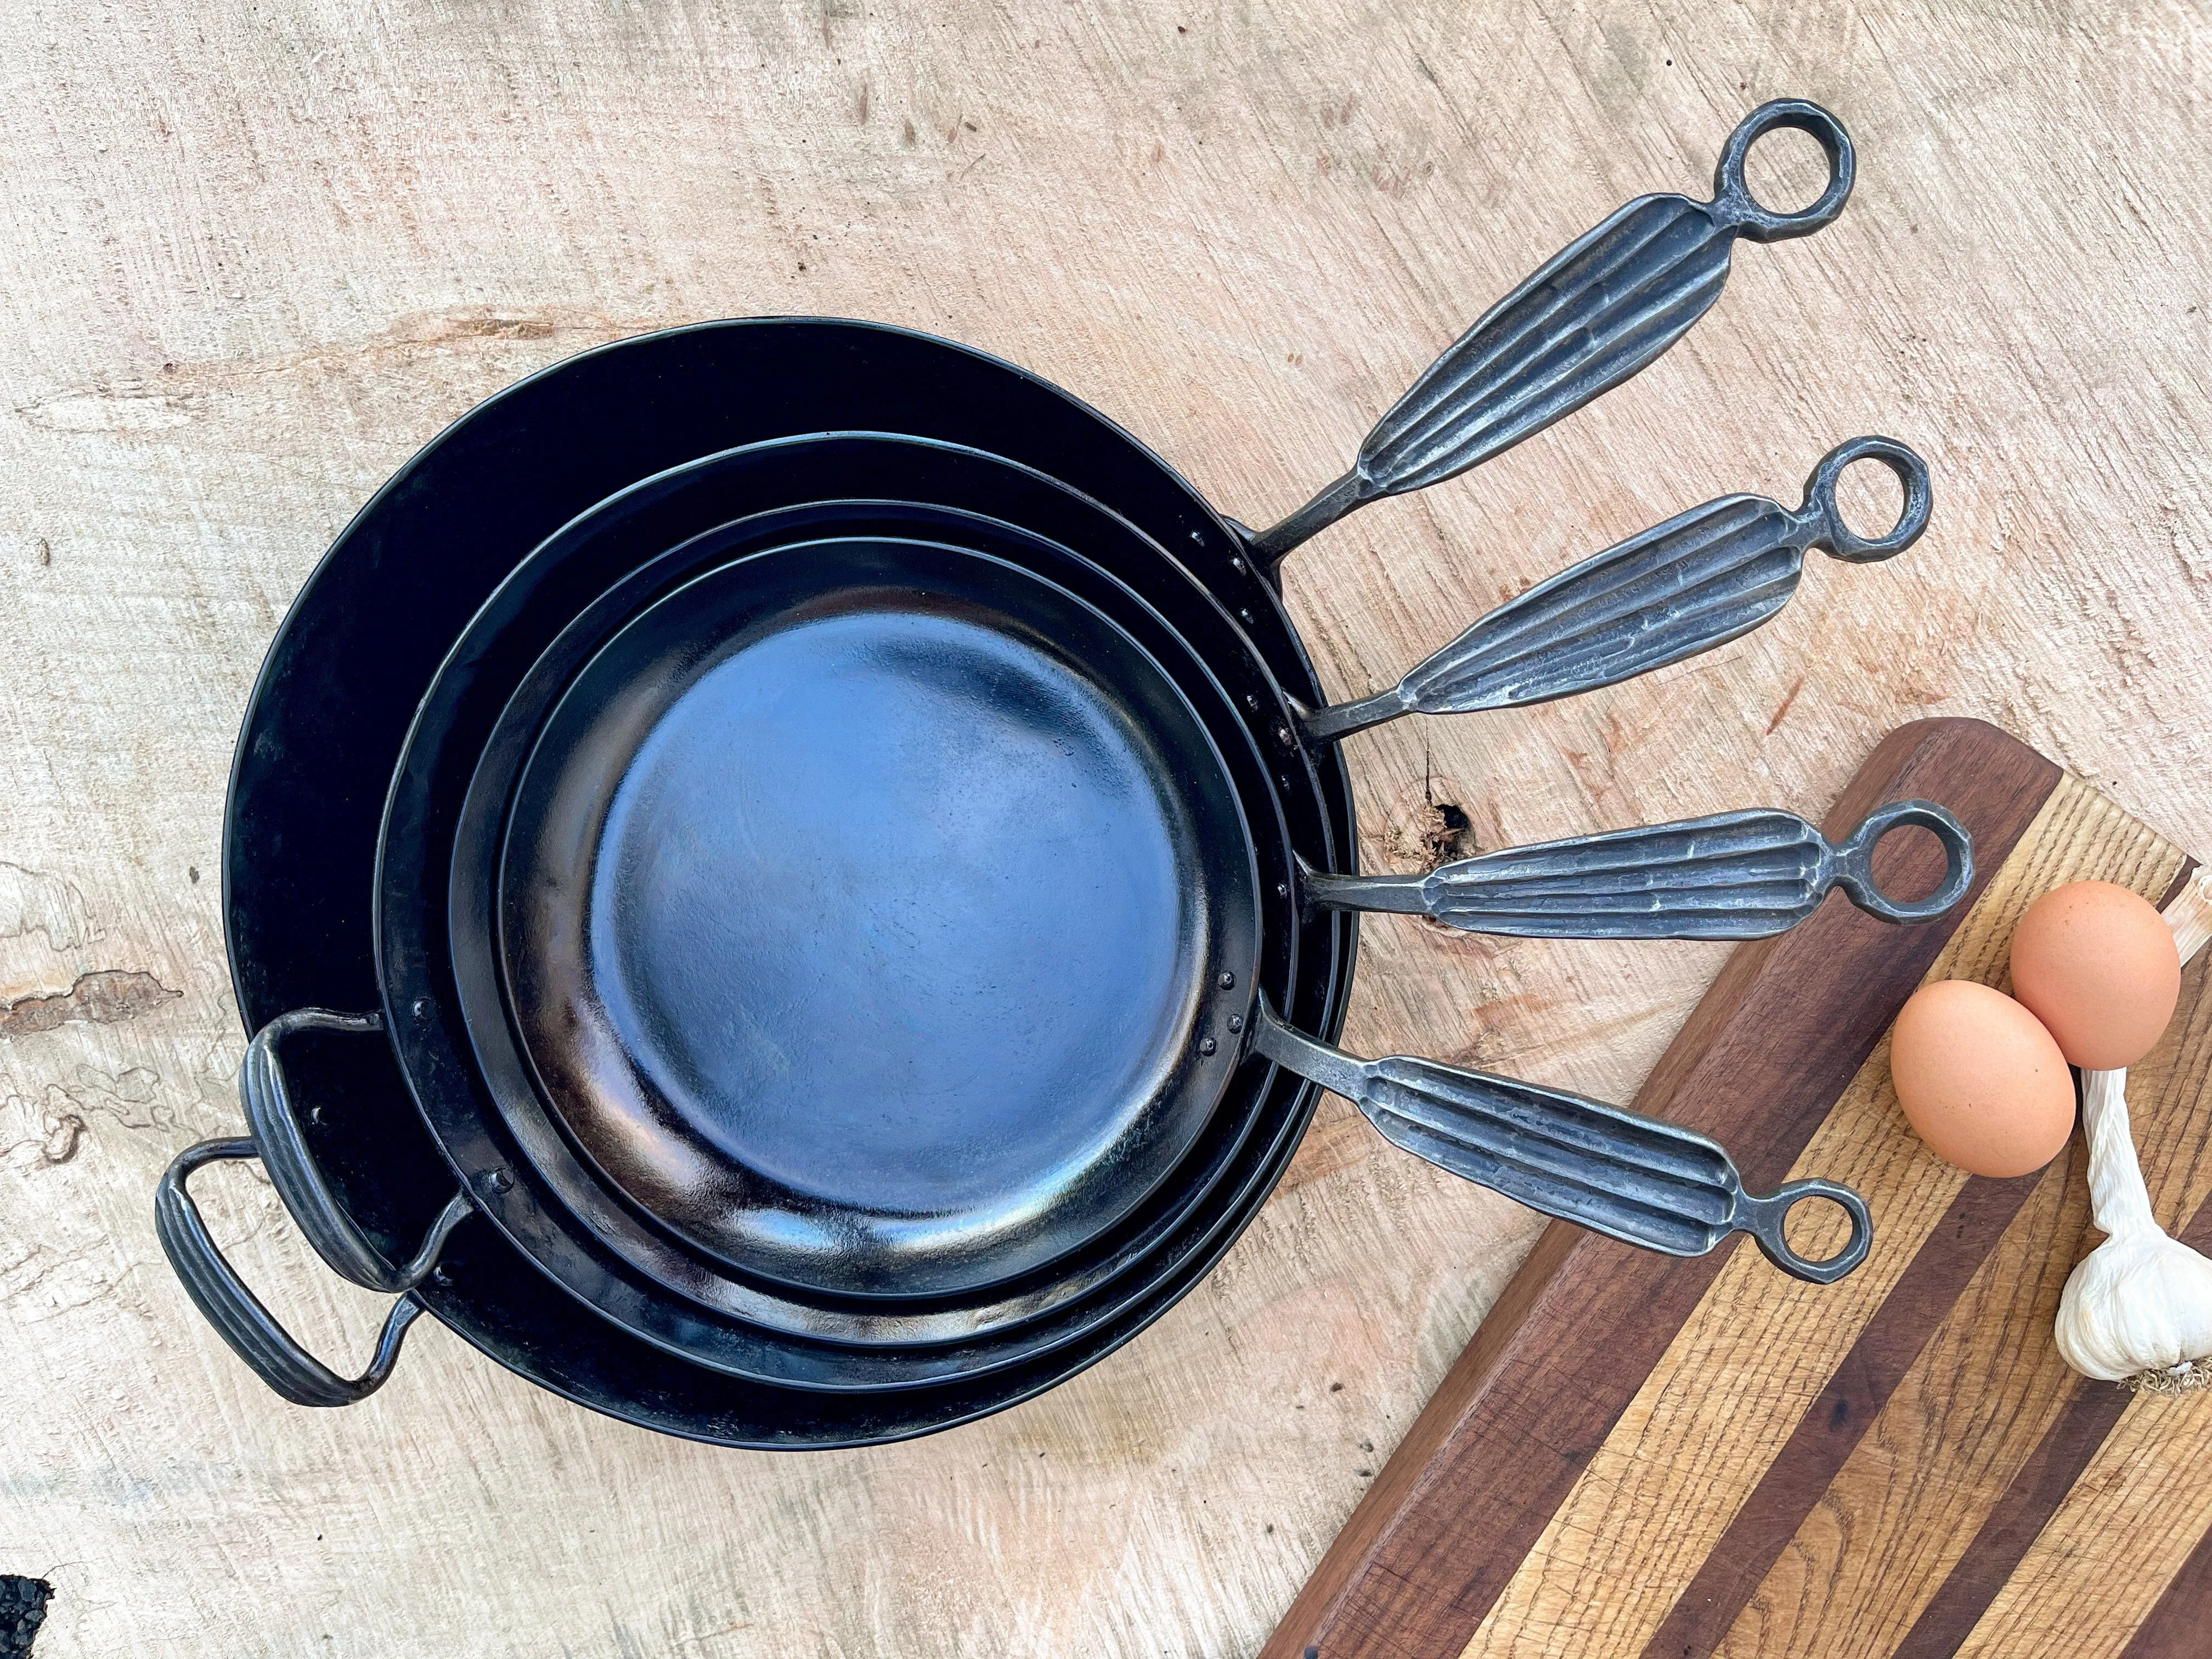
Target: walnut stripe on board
[
  {"x": 1904, "y": 1506},
  {"x": 1659, "y": 1496},
  {"x": 2175, "y": 1628},
  {"x": 2126, "y": 1528},
  {"x": 1760, "y": 1063}
]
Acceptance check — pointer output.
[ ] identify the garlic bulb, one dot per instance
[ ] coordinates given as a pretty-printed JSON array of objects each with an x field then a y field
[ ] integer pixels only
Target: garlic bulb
[{"x": 2138, "y": 1308}]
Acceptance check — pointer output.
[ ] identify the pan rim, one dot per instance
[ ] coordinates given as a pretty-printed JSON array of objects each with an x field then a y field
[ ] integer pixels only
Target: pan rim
[
  {"x": 526, "y": 1325},
  {"x": 487, "y": 848}
]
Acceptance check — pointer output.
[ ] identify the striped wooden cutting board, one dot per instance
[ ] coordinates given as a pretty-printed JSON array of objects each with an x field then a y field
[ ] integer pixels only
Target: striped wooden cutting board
[{"x": 1642, "y": 1458}]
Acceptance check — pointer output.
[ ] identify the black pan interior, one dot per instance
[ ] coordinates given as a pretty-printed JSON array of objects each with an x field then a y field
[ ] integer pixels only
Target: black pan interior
[
  {"x": 358, "y": 647},
  {"x": 1075, "y": 1292},
  {"x": 861, "y": 906}
]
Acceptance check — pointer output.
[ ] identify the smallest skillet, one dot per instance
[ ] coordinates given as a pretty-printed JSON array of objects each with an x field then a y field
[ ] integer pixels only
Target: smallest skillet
[{"x": 858, "y": 898}]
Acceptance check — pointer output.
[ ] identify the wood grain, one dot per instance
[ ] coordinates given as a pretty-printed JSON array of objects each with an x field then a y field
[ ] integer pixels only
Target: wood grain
[{"x": 255, "y": 256}]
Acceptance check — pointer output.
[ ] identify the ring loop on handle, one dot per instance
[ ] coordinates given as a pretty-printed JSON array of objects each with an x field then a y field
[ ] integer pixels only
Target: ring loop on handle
[
  {"x": 1855, "y": 861},
  {"x": 1763, "y": 1218},
  {"x": 1734, "y": 205},
  {"x": 1839, "y": 538},
  {"x": 238, "y": 1315}
]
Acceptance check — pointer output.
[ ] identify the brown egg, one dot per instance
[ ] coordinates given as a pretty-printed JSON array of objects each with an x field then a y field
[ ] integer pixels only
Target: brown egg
[
  {"x": 2096, "y": 964},
  {"x": 1980, "y": 1078}
]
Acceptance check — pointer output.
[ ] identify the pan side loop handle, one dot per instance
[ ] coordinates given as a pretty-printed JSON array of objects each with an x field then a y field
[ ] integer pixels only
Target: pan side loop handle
[
  {"x": 1634, "y": 1178},
  {"x": 1597, "y": 312},
  {"x": 1855, "y": 861},
  {"x": 213, "y": 1284},
  {"x": 1734, "y": 205},
  {"x": 1729, "y": 876}
]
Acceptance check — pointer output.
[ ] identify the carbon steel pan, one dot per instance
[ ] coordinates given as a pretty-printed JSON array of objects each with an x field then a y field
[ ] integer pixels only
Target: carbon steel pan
[
  {"x": 859, "y": 902},
  {"x": 359, "y": 646},
  {"x": 507, "y": 1126}
]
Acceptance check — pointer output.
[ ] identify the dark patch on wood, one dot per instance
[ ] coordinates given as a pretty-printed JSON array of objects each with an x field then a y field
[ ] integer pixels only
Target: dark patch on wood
[
  {"x": 22, "y": 1610},
  {"x": 1783, "y": 709},
  {"x": 1758, "y": 1064},
  {"x": 103, "y": 998},
  {"x": 1839, "y": 1416}
]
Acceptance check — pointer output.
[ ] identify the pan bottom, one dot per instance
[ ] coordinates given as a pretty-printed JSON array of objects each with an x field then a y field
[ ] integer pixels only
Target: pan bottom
[{"x": 860, "y": 903}]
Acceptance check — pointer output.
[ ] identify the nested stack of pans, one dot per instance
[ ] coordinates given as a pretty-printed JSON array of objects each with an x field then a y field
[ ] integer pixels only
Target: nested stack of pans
[{"x": 850, "y": 863}]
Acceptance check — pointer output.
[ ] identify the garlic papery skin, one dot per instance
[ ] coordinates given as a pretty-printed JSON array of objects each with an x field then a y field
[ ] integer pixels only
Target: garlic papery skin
[{"x": 2138, "y": 1308}]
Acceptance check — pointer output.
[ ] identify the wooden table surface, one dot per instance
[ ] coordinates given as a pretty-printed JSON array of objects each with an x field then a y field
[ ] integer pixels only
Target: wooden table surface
[{"x": 255, "y": 255}]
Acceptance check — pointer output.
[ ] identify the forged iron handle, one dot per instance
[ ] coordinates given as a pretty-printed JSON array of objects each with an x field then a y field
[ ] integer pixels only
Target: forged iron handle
[
  {"x": 1732, "y": 876},
  {"x": 1631, "y": 1177},
  {"x": 1699, "y": 580},
  {"x": 1598, "y": 311},
  {"x": 238, "y": 1315},
  {"x": 282, "y": 1144},
  {"x": 213, "y": 1284}
]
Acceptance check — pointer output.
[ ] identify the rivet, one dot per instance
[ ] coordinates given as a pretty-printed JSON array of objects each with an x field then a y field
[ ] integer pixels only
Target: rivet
[
  {"x": 1282, "y": 890},
  {"x": 1247, "y": 616},
  {"x": 423, "y": 1007},
  {"x": 441, "y": 1274},
  {"x": 315, "y": 1114},
  {"x": 1206, "y": 1045},
  {"x": 1252, "y": 703},
  {"x": 1282, "y": 781},
  {"x": 1235, "y": 1022},
  {"x": 1199, "y": 536},
  {"x": 1284, "y": 736},
  {"x": 1229, "y": 982},
  {"x": 1236, "y": 565},
  {"x": 497, "y": 1181}
]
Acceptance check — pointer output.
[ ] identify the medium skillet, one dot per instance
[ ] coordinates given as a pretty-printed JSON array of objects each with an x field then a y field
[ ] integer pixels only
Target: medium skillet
[
  {"x": 1720, "y": 232},
  {"x": 1703, "y": 880}
]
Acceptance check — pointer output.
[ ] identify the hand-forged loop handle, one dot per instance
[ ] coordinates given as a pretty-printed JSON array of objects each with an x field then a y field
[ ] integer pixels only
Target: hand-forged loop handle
[
  {"x": 213, "y": 1284},
  {"x": 1764, "y": 1218},
  {"x": 1729, "y": 876},
  {"x": 1839, "y": 538},
  {"x": 1637, "y": 1179},
  {"x": 1855, "y": 861},
  {"x": 1698, "y": 580},
  {"x": 1597, "y": 312},
  {"x": 1733, "y": 201}
]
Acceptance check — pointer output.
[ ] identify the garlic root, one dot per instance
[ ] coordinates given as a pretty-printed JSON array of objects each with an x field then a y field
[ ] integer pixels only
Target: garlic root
[{"x": 2138, "y": 1309}]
